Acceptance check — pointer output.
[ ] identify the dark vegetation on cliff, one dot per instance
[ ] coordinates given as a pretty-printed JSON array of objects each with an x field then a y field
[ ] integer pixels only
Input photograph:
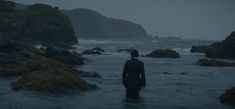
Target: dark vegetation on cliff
[{"x": 37, "y": 24}]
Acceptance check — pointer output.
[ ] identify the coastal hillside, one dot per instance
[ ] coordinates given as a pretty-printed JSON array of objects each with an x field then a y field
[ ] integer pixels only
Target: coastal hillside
[{"x": 89, "y": 24}]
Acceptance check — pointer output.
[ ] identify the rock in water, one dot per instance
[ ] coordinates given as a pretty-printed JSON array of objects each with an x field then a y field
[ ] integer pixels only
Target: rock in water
[
  {"x": 39, "y": 72},
  {"x": 224, "y": 49},
  {"x": 98, "y": 49},
  {"x": 198, "y": 49},
  {"x": 228, "y": 97},
  {"x": 163, "y": 53},
  {"x": 64, "y": 56},
  {"x": 214, "y": 62},
  {"x": 89, "y": 74},
  {"x": 53, "y": 81},
  {"x": 91, "y": 51}
]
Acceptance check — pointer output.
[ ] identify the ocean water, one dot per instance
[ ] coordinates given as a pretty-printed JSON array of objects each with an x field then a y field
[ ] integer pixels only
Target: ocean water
[{"x": 171, "y": 83}]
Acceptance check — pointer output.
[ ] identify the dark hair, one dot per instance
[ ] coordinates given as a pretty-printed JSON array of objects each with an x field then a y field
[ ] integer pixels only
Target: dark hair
[{"x": 134, "y": 53}]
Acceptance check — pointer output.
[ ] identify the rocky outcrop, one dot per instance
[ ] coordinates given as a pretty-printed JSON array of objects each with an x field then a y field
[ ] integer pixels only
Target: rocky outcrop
[
  {"x": 98, "y": 49},
  {"x": 44, "y": 23},
  {"x": 64, "y": 56},
  {"x": 11, "y": 21},
  {"x": 41, "y": 70},
  {"x": 163, "y": 53},
  {"x": 89, "y": 74},
  {"x": 224, "y": 49},
  {"x": 228, "y": 97},
  {"x": 89, "y": 24},
  {"x": 53, "y": 81},
  {"x": 95, "y": 50},
  {"x": 37, "y": 24},
  {"x": 198, "y": 49},
  {"x": 214, "y": 62},
  {"x": 91, "y": 52}
]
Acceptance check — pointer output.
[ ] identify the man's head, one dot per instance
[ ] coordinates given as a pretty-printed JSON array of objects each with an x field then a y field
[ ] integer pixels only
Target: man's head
[{"x": 134, "y": 53}]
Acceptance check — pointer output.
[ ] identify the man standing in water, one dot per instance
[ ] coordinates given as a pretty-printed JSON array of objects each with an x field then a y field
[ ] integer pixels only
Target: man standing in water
[{"x": 133, "y": 76}]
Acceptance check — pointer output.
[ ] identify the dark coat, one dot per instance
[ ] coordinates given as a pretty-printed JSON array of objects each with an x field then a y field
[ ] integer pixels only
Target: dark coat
[{"x": 133, "y": 76}]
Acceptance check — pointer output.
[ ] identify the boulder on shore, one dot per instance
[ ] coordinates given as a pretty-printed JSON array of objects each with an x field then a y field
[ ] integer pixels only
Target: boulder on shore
[
  {"x": 64, "y": 56},
  {"x": 39, "y": 71},
  {"x": 214, "y": 62},
  {"x": 163, "y": 53},
  {"x": 228, "y": 97}
]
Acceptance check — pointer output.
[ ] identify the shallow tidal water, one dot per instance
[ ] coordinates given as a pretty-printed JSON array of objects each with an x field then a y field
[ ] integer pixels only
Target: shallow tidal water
[{"x": 171, "y": 84}]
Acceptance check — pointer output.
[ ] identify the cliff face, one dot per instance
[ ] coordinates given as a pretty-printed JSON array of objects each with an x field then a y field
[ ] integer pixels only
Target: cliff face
[
  {"x": 89, "y": 24},
  {"x": 10, "y": 20},
  {"x": 45, "y": 23},
  {"x": 37, "y": 23}
]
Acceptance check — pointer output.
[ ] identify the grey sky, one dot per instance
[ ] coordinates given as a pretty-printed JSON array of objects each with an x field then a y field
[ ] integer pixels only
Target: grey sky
[{"x": 191, "y": 19}]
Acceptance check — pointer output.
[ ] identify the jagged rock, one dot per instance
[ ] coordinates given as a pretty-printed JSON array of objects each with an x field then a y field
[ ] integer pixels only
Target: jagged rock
[
  {"x": 17, "y": 59},
  {"x": 224, "y": 49},
  {"x": 53, "y": 81},
  {"x": 163, "y": 53},
  {"x": 98, "y": 49},
  {"x": 228, "y": 97},
  {"x": 64, "y": 56},
  {"x": 199, "y": 49},
  {"x": 214, "y": 62},
  {"x": 39, "y": 72},
  {"x": 89, "y": 74},
  {"x": 11, "y": 21},
  {"x": 91, "y": 52}
]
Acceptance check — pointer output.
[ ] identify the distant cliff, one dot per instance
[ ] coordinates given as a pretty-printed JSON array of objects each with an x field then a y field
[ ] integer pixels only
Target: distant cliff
[
  {"x": 34, "y": 24},
  {"x": 89, "y": 24}
]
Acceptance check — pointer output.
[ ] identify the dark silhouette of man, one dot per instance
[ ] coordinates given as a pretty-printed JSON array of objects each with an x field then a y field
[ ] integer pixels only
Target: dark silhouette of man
[{"x": 133, "y": 76}]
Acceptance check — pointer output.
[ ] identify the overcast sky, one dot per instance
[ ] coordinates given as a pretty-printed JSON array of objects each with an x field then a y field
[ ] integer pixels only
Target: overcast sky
[{"x": 191, "y": 19}]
